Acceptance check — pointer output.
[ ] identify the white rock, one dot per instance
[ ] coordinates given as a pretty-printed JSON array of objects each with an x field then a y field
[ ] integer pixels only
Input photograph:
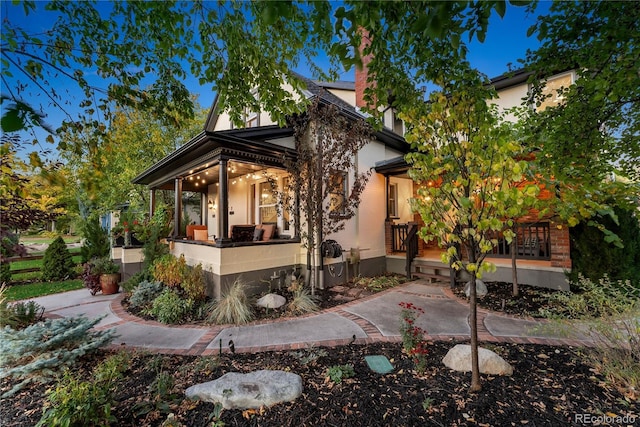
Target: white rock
[
  {"x": 481, "y": 289},
  {"x": 459, "y": 359},
  {"x": 235, "y": 390},
  {"x": 271, "y": 301}
]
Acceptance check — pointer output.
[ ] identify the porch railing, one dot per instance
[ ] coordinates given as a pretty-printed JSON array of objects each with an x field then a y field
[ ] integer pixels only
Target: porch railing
[
  {"x": 411, "y": 244},
  {"x": 399, "y": 237},
  {"x": 532, "y": 242}
]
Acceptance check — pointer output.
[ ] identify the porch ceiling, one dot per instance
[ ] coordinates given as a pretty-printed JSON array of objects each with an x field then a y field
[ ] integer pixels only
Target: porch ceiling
[{"x": 205, "y": 151}]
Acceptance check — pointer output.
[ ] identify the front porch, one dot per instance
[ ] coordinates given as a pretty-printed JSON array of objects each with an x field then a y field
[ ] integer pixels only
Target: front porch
[{"x": 542, "y": 255}]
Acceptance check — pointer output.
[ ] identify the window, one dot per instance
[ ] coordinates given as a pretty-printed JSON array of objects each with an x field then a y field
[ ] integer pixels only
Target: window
[
  {"x": 338, "y": 193},
  {"x": 393, "y": 201},
  {"x": 398, "y": 124},
  {"x": 267, "y": 203},
  {"x": 252, "y": 118},
  {"x": 552, "y": 87}
]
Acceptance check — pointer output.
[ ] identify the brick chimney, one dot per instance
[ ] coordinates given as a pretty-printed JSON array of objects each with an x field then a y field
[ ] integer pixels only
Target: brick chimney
[{"x": 362, "y": 73}]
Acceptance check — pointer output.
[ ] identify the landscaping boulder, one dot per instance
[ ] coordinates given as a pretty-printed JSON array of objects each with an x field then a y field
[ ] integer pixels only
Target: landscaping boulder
[
  {"x": 459, "y": 359},
  {"x": 271, "y": 301},
  {"x": 481, "y": 289},
  {"x": 235, "y": 390}
]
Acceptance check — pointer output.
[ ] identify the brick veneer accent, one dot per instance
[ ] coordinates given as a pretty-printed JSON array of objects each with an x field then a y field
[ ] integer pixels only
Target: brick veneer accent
[{"x": 560, "y": 245}]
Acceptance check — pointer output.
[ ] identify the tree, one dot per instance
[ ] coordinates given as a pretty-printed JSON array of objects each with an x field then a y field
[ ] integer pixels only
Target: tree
[
  {"x": 105, "y": 163},
  {"x": 139, "y": 49},
  {"x": 594, "y": 133},
  {"x": 57, "y": 263},
  {"x": 472, "y": 175},
  {"x": 327, "y": 144}
]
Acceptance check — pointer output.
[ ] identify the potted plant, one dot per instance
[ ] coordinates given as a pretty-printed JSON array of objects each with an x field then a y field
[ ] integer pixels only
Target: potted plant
[{"x": 109, "y": 273}]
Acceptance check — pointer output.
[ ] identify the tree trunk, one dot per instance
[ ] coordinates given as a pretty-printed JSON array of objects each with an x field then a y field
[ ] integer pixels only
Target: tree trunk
[
  {"x": 514, "y": 267},
  {"x": 476, "y": 386}
]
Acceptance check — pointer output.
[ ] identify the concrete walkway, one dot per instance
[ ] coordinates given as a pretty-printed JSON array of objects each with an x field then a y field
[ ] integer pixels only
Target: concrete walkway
[{"x": 372, "y": 319}]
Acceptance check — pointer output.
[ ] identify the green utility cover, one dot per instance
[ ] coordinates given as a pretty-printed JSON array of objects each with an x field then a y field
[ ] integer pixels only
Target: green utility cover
[{"x": 379, "y": 364}]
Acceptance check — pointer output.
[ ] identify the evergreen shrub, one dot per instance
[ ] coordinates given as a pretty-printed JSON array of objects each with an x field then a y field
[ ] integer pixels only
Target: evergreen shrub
[
  {"x": 57, "y": 263},
  {"x": 40, "y": 351},
  {"x": 143, "y": 295},
  {"x": 96, "y": 240}
]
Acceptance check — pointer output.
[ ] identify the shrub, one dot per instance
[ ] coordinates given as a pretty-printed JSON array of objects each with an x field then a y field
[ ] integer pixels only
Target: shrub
[
  {"x": 302, "y": 302},
  {"x": 74, "y": 402},
  {"x": 379, "y": 283},
  {"x": 57, "y": 263},
  {"x": 9, "y": 246},
  {"x": 413, "y": 342},
  {"x": 105, "y": 265},
  {"x": 590, "y": 299},
  {"x": 193, "y": 284},
  {"x": 38, "y": 351},
  {"x": 96, "y": 240},
  {"x": 233, "y": 307},
  {"x": 593, "y": 257},
  {"x": 20, "y": 314},
  {"x": 170, "y": 270},
  {"x": 170, "y": 308},
  {"x": 132, "y": 282},
  {"x": 337, "y": 373},
  {"x": 143, "y": 295}
]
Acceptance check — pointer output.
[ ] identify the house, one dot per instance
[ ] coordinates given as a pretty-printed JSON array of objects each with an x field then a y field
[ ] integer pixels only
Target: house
[{"x": 232, "y": 170}]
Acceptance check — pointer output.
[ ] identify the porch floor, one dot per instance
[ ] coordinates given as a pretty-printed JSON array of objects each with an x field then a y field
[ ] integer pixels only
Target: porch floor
[{"x": 433, "y": 255}]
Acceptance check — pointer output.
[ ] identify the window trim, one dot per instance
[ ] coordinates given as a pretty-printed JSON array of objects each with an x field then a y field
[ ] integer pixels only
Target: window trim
[{"x": 344, "y": 193}]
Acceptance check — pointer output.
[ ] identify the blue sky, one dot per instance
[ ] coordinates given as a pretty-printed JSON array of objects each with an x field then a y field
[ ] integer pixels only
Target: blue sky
[{"x": 505, "y": 43}]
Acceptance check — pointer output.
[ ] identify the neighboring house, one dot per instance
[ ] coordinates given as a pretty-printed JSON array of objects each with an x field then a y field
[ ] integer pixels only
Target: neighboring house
[{"x": 232, "y": 169}]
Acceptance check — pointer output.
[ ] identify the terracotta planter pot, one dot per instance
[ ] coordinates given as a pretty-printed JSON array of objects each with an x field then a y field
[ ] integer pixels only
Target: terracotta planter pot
[{"x": 110, "y": 283}]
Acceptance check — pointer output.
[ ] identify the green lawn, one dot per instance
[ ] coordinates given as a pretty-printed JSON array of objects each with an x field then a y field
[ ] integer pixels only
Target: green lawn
[
  {"x": 32, "y": 290},
  {"x": 35, "y": 239},
  {"x": 17, "y": 265}
]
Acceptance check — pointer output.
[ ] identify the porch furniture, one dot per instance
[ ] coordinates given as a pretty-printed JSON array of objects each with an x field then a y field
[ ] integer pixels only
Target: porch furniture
[
  {"x": 192, "y": 228},
  {"x": 202, "y": 235},
  {"x": 253, "y": 233},
  {"x": 242, "y": 233}
]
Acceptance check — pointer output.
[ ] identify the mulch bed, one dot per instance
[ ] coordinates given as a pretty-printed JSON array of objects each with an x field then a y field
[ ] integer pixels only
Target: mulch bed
[
  {"x": 529, "y": 302},
  {"x": 549, "y": 387}
]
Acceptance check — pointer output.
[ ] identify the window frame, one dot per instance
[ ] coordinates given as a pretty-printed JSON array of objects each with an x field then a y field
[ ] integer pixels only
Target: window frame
[{"x": 342, "y": 193}]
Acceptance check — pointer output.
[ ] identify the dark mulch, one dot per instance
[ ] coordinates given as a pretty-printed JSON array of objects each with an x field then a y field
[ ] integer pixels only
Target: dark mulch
[
  {"x": 549, "y": 387},
  {"x": 529, "y": 302}
]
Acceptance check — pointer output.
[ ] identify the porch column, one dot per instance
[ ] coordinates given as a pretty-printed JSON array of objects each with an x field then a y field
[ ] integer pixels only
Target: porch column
[
  {"x": 152, "y": 202},
  {"x": 203, "y": 208},
  {"x": 223, "y": 208},
  {"x": 177, "y": 215},
  {"x": 386, "y": 196}
]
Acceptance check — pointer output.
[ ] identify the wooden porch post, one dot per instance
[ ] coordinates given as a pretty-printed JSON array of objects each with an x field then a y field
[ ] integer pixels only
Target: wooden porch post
[
  {"x": 386, "y": 196},
  {"x": 223, "y": 209},
  {"x": 204, "y": 211},
  {"x": 177, "y": 216}
]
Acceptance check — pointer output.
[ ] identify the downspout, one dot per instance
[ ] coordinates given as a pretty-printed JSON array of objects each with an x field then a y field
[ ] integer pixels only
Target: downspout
[
  {"x": 319, "y": 222},
  {"x": 152, "y": 202}
]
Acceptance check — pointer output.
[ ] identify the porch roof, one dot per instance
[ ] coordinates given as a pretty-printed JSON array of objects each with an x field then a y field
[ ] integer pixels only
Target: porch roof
[
  {"x": 249, "y": 145},
  {"x": 393, "y": 167}
]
